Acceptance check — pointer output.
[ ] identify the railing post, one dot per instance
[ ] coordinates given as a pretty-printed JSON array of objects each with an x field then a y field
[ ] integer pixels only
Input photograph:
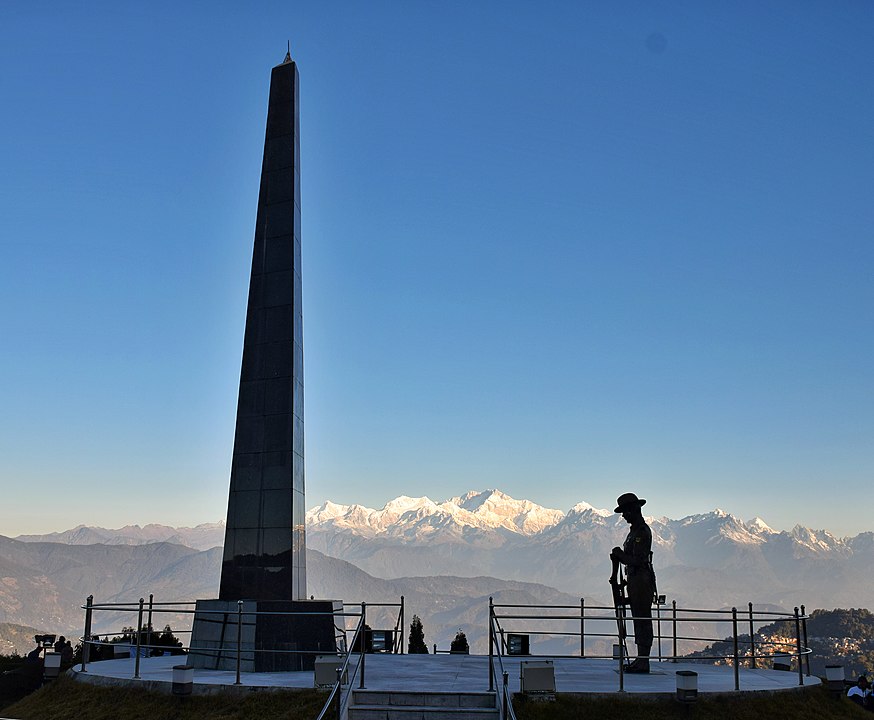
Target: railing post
[
  {"x": 752, "y": 640},
  {"x": 139, "y": 633},
  {"x": 337, "y": 698},
  {"x": 674, "y": 621},
  {"x": 403, "y": 626},
  {"x": 87, "y": 638},
  {"x": 806, "y": 646},
  {"x": 735, "y": 659},
  {"x": 798, "y": 646},
  {"x": 149, "y": 623},
  {"x": 239, "y": 639},
  {"x": 504, "y": 694},
  {"x": 491, "y": 644},
  {"x": 621, "y": 661},
  {"x": 582, "y": 627},
  {"x": 363, "y": 639}
]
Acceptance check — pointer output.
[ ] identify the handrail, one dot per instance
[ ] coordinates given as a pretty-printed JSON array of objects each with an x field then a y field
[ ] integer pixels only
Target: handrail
[
  {"x": 794, "y": 645},
  {"x": 505, "y": 706},
  {"x": 338, "y": 686},
  {"x": 91, "y": 639}
]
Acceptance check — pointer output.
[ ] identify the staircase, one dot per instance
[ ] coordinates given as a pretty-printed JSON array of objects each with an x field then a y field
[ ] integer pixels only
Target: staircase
[{"x": 393, "y": 705}]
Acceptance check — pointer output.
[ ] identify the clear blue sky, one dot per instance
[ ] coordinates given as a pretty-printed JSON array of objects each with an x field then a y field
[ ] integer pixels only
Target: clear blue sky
[{"x": 566, "y": 249}]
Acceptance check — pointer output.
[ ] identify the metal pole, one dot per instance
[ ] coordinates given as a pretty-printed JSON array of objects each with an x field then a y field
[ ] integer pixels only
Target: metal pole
[
  {"x": 149, "y": 623},
  {"x": 621, "y": 662},
  {"x": 363, "y": 640},
  {"x": 338, "y": 693},
  {"x": 491, "y": 644},
  {"x": 139, "y": 632},
  {"x": 735, "y": 653},
  {"x": 239, "y": 638},
  {"x": 752, "y": 640},
  {"x": 87, "y": 639},
  {"x": 504, "y": 703},
  {"x": 659, "y": 624},
  {"x": 806, "y": 646},
  {"x": 582, "y": 627},
  {"x": 674, "y": 621},
  {"x": 798, "y": 647},
  {"x": 402, "y": 625}
]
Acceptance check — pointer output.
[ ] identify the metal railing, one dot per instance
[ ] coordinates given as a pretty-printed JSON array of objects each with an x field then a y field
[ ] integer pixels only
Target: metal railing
[
  {"x": 579, "y": 624},
  {"x": 503, "y": 698},
  {"x": 337, "y": 699},
  {"x": 140, "y": 645}
]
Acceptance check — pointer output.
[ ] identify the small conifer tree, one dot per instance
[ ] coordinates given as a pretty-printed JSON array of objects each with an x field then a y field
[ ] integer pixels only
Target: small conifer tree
[
  {"x": 459, "y": 645},
  {"x": 417, "y": 638}
]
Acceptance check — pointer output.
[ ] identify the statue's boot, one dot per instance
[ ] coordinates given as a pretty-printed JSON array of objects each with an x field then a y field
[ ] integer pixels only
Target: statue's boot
[{"x": 641, "y": 664}]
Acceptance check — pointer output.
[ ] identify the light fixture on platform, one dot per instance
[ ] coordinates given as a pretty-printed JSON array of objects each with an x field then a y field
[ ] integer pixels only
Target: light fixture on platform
[
  {"x": 834, "y": 678},
  {"x": 687, "y": 685}
]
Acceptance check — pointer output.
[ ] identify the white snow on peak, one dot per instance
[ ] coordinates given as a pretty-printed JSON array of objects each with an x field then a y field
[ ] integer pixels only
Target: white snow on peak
[
  {"x": 326, "y": 511},
  {"x": 583, "y": 507},
  {"x": 758, "y": 525},
  {"x": 489, "y": 509}
]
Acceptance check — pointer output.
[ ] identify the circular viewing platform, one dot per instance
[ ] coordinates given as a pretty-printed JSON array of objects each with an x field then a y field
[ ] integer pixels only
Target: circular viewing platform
[{"x": 455, "y": 674}]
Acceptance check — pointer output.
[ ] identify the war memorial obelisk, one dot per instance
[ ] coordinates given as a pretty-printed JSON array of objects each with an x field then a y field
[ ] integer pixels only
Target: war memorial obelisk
[{"x": 264, "y": 561}]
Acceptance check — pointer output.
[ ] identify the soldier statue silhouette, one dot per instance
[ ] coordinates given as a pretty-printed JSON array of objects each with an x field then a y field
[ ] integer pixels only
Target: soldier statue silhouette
[{"x": 636, "y": 556}]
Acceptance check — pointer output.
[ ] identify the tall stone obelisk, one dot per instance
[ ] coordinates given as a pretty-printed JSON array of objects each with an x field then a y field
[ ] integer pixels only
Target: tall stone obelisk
[
  {"x": 265, "y": 543},
  {"x": 262, "y": 597}
]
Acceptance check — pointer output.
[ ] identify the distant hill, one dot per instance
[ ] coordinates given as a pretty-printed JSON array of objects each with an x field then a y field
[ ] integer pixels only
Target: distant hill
[
  {"x": 17, "y": 638},
  {"x": 836, "y": 637},
  {"x": 44, "y": 585},
  {"x": 200, "y": 537}
]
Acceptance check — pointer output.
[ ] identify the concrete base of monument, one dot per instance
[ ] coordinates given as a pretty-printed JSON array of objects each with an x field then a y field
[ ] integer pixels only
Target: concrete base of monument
[
  {"x": 275, "y": 636},
  {"x": 456, "y": 674}
]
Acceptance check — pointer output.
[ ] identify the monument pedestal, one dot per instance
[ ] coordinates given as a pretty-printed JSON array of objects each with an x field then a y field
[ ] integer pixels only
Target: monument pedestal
[{"x": 265, "y": 639}]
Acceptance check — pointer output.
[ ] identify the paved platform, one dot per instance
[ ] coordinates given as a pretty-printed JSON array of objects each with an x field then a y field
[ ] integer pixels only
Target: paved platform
[{"x": 452, "y": 673}]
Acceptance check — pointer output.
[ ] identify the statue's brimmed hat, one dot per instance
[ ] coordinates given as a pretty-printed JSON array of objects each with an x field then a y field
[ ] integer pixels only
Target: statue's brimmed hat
[{"x": 628, "y": 501}]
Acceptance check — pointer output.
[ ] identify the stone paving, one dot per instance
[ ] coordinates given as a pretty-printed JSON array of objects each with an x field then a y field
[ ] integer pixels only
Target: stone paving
[{"x": 455, "y": 673}]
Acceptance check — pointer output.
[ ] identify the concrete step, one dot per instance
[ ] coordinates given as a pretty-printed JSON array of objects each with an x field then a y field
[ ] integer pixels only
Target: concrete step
[
  {"x": 420, "y": 712},
  {"x": 424, "y": 699},
  {"x": 394, "y": 705}
]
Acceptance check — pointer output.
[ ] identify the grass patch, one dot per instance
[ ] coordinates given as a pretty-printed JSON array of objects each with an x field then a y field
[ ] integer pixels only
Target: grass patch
[
  {"x": 66, "y": 699},
  {"x": 814, "y": 703}
]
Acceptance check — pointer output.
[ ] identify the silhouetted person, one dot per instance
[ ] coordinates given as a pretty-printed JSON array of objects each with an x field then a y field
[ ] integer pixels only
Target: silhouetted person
[
  {"x": 636, "y": 555},
  {"x": 67, "y": 654},
  {"x": 35, "y": 655},
  {"x": 95, "y": 649},
  {"x": 59, "y": 645},
  {"x": 860, "y": 691}
]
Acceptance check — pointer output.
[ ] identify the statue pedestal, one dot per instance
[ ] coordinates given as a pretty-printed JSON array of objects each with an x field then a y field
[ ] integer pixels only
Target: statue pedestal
[{"x": 265, "y": 639}]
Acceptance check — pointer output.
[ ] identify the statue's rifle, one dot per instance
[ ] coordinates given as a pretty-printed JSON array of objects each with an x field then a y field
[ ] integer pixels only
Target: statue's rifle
[{"x": 617, "y": 584}]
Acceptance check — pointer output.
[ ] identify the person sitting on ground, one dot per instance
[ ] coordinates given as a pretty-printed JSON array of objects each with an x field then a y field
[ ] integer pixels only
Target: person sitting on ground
[{"x": 860, "y": 691}]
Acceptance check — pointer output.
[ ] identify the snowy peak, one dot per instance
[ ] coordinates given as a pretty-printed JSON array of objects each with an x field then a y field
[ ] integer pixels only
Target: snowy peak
[
  {"x": 816, "y": 542},
  {"x": 486, "y": 510},
  {"x": 495, "y": 509},
  {"x": 760, "y": 527}
]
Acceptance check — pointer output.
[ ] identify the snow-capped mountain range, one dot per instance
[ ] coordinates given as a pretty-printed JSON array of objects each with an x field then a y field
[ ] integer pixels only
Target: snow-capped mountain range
[{"x": 705, "y": 559}]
